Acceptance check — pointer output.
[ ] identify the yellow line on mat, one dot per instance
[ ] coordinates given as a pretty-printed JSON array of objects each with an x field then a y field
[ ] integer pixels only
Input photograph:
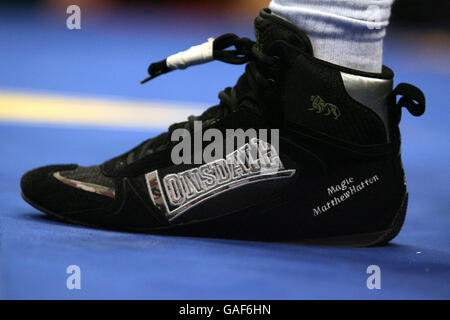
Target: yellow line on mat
[{"x": 37, "y": 108}]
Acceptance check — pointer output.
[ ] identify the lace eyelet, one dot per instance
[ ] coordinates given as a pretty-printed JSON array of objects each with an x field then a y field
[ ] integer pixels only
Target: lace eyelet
[
  {"x": 277, "y": 60},
  {"x": 271, "y": 82}
]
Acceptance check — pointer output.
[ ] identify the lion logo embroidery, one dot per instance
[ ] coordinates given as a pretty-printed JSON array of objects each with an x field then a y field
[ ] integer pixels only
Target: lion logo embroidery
[{"x": 327, "y": 109}]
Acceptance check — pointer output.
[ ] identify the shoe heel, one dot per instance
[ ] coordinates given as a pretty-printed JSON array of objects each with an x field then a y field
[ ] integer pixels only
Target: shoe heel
[{"x": 380, "y": 238}]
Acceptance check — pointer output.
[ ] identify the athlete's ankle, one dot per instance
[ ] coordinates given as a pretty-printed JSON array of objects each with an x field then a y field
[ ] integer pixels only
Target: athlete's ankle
[{"x": 347, "y": 33}]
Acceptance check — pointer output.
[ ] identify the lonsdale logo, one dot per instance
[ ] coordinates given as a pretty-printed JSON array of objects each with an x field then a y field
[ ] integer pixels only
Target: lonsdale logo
[
  {"x": 327, "y": 109},
  {"x": 177, "y": 192}
]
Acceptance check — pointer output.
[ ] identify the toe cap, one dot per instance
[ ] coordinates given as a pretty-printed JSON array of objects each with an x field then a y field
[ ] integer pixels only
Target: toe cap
[{"x": 43, "y": 190}]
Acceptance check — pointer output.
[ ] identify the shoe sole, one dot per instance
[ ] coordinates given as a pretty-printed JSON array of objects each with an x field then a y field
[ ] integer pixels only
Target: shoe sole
[{"x": 379, "y": 238}]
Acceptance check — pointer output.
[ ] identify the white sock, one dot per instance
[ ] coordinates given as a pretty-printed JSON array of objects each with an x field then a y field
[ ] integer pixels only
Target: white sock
[{"x": 348, "y": 33}]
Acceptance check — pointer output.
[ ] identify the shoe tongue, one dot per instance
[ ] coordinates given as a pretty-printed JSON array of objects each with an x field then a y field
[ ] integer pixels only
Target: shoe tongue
[{"x": 270, "y": 27}]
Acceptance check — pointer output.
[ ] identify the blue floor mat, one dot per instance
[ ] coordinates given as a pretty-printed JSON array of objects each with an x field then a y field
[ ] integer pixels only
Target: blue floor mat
[{"x": 35, "y": 251}]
